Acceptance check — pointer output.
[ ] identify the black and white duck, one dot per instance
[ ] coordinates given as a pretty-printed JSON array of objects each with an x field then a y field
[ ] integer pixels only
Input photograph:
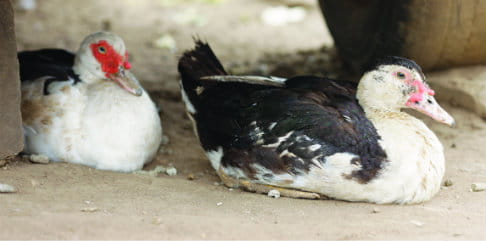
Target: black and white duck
[
  {"x": 313, "y": 137},
  {"x": 87, "y": 107}
]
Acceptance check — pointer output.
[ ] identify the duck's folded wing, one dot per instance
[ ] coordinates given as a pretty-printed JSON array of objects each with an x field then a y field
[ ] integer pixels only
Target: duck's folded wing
[{"x": 300, "y": 126}]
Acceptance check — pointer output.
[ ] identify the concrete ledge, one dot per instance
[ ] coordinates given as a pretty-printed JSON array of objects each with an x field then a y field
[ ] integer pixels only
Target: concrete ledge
[{"x": 11, "y": 141}]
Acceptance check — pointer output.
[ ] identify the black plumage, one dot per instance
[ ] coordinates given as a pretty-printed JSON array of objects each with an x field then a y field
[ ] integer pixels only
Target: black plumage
[
  {"x": 284, "y": 129},
  {"x": 55, "y": 64}
]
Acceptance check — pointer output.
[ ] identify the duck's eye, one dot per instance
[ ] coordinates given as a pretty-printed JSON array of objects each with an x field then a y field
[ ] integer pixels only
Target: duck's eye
[
  {"x": 401, "y": 75},
  {"x": 101, "y": 49}
]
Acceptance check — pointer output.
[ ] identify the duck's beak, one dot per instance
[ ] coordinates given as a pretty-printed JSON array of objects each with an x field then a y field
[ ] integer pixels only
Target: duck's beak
[
  {"x": 127, "y": 81},
  {"x": 424, "y": 102}
]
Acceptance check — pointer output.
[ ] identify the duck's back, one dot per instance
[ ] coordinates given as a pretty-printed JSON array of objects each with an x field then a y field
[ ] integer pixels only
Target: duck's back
[{"x": 276, "y": 133}]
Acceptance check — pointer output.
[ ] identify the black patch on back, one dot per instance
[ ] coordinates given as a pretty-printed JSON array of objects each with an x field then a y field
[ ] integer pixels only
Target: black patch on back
[{"x": 55, "y": 63}]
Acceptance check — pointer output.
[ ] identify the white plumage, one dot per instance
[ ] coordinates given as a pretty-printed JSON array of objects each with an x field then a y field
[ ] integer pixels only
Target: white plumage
[{"x": 93, "y": 122}]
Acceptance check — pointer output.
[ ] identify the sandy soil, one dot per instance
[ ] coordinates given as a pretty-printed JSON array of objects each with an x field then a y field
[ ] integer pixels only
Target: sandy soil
[{"x": 67, "y": 201}]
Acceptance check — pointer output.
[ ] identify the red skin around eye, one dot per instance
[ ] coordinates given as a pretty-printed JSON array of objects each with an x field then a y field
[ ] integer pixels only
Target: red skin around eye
[
  {"x": 421, "y": 88},
  {"x": 110, "y": 60}
]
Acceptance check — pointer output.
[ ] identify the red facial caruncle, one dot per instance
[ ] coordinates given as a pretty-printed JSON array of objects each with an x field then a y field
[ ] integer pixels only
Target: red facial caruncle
[
  {"x": 109, "y": 58},
  {"x": 421, "y": 89}
]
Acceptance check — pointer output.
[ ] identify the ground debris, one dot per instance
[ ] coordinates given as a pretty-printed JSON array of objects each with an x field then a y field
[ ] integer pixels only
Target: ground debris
[
  {"x": 153, "y": 173},
  {"x": 41, "y": 159},
  {"x": 273, "y": 193},
  {"x": 5, "y": 188},
  {"x": 478, "y": 186},
  {"x": 171, "y": 171},
  {"x": 448, "y": 183},
  {"x": 165, "y": 41},
  {"x": 191, "y": 177},
  {"x": 34, "y": 183},
  {"x": 164, "y": 140},
  {"x": 417, "y": 223},
  {"x": 191, "y": 16},
  {"x": 157, "y": 220},
  {"x": 282, "y": 15},
  {"x": 90, "y": 209},
  {"x": 219, "y": 204},
  {"x": 376, "y": 210},
  {"x": 7, "y": 160}
]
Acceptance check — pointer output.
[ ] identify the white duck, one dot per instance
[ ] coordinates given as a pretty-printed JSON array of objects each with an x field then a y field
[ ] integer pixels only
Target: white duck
[
  {"x": 309, "y": 137},
  {"x": 88, "y": 108}
]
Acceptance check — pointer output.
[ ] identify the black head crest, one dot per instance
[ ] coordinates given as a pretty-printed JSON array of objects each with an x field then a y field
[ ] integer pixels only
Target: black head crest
[{"x": 393, "y": 60}]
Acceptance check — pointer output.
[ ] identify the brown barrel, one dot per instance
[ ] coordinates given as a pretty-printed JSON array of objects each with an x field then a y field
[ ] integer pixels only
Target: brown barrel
[{"x": 435, "y": 33}]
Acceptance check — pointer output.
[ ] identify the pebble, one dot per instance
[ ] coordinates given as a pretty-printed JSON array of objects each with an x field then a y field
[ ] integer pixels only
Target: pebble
[
  {"x": 273, "y": 193},
  {"x": 5, "y": 188},
  {"x": 90, "y": 209},
  {"x": 153, "y": 173},
  {"x": 164, "y": 140},
  {"x": 171, "y": 171},
  {"x": 478, "y": 187},
  {"x": 42, "y": 159},
  {"x": 219, "y": 204},
  {"x": 34, "y": 183},
  {"x": 417, "y": 223},
  {"x": 27, "y": 5},
  {"x": 191, "y": 177},
  {"x": 448, "y": 183},
  {"x": 282, "y": 15},
  {"x": 376, "y": 210},
  {"x": 165, "y": 41},
  {"x": 157, "y": 220}
]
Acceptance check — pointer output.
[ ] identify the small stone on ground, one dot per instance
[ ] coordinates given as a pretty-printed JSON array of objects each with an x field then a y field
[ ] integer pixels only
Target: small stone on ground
[
  {"x": 273, "y": 193},
  {"x": 448, "y": 183},
  {"x": 42, "y": 159},
  {"x": 478, "y": 187},
  {"x": 5, "y": 188}
]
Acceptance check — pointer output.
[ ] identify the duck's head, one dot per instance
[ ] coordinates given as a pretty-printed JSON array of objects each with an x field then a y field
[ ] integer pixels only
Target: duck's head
[
  {"x": 393, "y": 83},
  {"x": 102, "y": 56}
]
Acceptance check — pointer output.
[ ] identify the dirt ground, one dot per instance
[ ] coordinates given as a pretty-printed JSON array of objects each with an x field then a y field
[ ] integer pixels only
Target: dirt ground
[{"x": 67, "y": 201}]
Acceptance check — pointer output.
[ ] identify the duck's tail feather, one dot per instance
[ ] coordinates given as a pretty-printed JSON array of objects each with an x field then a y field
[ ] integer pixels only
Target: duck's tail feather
[{"x": 193, "y": 65}]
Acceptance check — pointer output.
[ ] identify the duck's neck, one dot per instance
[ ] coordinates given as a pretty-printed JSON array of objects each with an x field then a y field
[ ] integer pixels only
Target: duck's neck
[
  {"x": 81, "y": 68},
  {"x": 376, "y": 110}
]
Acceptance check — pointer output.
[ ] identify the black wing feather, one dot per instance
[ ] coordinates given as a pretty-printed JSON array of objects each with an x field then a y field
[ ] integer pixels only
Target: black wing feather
[{"x": 57, "y": 64}]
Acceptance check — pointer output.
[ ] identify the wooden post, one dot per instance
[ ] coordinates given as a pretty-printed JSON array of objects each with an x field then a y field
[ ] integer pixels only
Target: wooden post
[{"x": 11, "y": 139}]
